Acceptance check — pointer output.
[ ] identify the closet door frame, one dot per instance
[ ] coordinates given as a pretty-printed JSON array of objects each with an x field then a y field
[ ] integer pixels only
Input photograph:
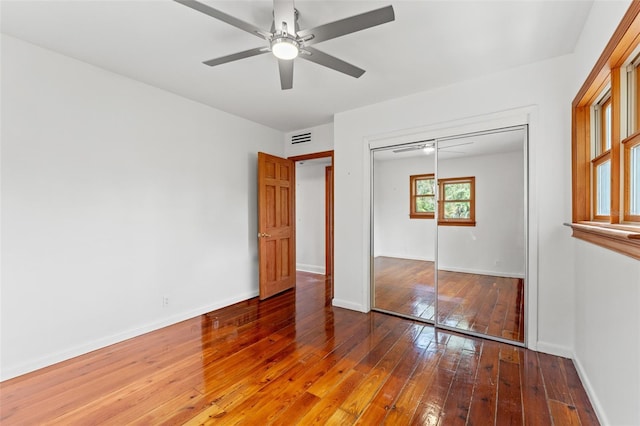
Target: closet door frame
[{"x": 376, "y": 145}]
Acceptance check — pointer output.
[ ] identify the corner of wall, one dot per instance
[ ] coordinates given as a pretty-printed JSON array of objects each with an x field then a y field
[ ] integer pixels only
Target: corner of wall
[
  {"x": 554, "y": 349},
  {"x": 339, "y": 303},
  {"x": 588, "y": 387}
]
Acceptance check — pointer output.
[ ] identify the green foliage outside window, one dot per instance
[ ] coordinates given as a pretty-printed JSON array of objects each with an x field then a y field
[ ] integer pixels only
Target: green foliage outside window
[
  {"x": 454, "y": 209},
  {"x": 425, "y": 195},
  {"x": 425, "y": 187},
  {"x": 457, "y": 191},
  {"x": 459, "y": 210},
  {"x": 425, "y": 204},
  {"x": 457, "y": 204}
]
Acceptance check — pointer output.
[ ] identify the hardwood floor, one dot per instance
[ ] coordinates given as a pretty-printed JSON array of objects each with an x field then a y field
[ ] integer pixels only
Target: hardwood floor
[
  {"x": 481, "y": 303},
  {"x": 295, "y": 359}
]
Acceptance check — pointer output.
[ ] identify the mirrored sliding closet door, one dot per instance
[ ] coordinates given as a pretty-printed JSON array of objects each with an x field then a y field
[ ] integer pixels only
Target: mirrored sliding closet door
[
  {"x": 404, "y": 232},
  {"x": 450, "y": 230}
]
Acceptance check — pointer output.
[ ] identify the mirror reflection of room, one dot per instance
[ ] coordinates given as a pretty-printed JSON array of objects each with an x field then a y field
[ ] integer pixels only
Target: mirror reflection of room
[
  {"x": 404, "y": 245},
  {"x": 481, "y": 234},
  {"x": 477, "y": 202}
]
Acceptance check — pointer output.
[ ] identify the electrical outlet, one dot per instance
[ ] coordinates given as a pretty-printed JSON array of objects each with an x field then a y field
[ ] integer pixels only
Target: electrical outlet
[{"x": 165, "y": 301}]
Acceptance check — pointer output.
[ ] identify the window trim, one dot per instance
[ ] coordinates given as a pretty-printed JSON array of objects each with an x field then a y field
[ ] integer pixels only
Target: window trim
[
  {"x": 633, "y": 87},
  {"x": 627, "y": 144},
  {"x": 413, "y": 214},
  {"x": 621, "y": 238},
  {"x": 439, "y": 201},
  {"x": 636, "y": 106}
]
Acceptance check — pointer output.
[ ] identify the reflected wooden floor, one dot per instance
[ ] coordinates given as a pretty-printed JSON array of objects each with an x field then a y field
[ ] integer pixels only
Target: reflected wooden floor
[
  {"x": 294, "y": 359},
  {"x": 481, "y": 303}
]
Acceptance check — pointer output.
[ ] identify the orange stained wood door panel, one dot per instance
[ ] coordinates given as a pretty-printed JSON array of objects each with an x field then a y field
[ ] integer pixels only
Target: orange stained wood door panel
[{"x": 276, "y": 224}]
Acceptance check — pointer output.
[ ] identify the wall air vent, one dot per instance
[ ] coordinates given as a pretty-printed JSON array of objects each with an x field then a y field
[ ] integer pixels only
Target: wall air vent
[{"x": 301, "y": 138}]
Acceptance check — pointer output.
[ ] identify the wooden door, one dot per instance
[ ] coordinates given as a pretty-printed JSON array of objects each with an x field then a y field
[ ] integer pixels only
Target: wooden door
[{"x": 276, "y": 224}]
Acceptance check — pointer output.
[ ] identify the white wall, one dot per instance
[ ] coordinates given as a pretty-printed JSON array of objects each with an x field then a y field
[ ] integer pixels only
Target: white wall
[
  {"x": 310, "y": 215},
  {"x": 395, "y": 234},
  {"x": 541, "y": 86},
  {"x": 495, "y": 246},
  {"x": 607, "y": 334},
  {"x": 114, "y": 195},
  {"x": 321, "y": 140},
  {"x": 607, "y": 284}
]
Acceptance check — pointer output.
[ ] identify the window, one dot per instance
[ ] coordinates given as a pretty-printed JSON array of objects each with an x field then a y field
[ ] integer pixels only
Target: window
[
  {"x": 456, "y": 199},
  {"x": 423, "y": 196},
  {"x": 606, "y": 145},
  {"x": 602, "y": 118},
  {"x": 633, "y": 88},
  {"x": 632, "y": 179},
  {"x": 601, "y": 188}
]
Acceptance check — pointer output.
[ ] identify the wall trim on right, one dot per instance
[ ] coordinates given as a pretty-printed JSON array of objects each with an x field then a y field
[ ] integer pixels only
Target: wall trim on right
[{"x": 593, "y": 398}]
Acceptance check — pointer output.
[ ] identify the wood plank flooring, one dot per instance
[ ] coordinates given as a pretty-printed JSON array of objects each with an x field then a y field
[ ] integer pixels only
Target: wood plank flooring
[
  {"x": 295, "y": 359},
  {"x": 481, "y": 303}
]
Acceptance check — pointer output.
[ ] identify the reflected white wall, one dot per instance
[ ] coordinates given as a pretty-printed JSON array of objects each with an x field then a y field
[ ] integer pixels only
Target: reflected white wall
[{"x": 495, "y": 246}]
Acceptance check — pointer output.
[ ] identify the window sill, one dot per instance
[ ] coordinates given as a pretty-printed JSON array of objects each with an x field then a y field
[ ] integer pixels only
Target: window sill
[
  {"x": 456, "y": 223},
  {"x": 624, "y": 239},
  {"x": 421, "y": 216}
]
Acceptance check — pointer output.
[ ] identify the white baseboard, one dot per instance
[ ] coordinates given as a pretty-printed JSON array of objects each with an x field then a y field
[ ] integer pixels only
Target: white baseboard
[
  {"x": 348, "y": 305},
  {"x": 402, "y": 256},
  {"x": 593, "y": 398},
  {"x": 314, "y": 269},
  {"x": 505, "y": 274},
  {"x": 47, "y": 360},
  {"x": 553, "y": 349},
  {"x": 482, "y": 272}
]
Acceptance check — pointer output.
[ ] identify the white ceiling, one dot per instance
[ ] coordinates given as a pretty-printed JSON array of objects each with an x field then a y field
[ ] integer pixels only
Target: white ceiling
[
  {"x": 430, "y": 44},
  {"x": 499, "y": 141}
]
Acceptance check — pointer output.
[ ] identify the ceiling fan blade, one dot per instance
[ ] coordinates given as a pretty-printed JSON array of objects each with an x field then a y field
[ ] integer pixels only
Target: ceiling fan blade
[
  {"x": 284, "y": 11},
  {"x": 457, "y": 144},
  {"x": 286, "y": 73},
  {"x": 236, "y": 56},
  {"x": 409, "y": 148},
  {"x": 347, "y": 25},
  {"x": 215, "y": 13},
  {"x": 321, "y": 58}
]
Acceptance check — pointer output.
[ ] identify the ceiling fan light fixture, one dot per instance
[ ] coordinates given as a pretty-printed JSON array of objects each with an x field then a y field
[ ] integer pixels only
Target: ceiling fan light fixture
[{"x": 286, "y": 48}]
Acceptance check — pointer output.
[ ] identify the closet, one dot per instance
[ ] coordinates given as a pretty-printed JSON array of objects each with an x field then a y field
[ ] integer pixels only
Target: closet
[{"x": 449, "y": 232}]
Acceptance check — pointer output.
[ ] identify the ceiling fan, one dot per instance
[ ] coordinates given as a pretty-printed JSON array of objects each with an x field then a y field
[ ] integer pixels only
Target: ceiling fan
[
  {"x": 286, "y": 41},
  {"x": 429, "y": 148}
]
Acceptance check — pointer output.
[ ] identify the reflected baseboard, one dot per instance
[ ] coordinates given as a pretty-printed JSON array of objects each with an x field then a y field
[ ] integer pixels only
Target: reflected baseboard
[
  {"x": 504, "y": 274},
  {"x": 492, "y": 273},
  {"x": 407, "y": 257}
]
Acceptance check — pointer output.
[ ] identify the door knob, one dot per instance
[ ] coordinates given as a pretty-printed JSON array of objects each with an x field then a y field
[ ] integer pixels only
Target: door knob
[{"x": 263, "y": 235}]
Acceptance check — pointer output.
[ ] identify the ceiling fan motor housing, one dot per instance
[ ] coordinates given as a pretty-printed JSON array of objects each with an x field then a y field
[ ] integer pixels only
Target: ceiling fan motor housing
[{"x": 285, "y": 46}]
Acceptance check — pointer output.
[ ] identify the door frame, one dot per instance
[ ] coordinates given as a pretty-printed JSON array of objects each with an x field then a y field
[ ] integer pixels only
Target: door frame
[{"x": 329, "y": 208}]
